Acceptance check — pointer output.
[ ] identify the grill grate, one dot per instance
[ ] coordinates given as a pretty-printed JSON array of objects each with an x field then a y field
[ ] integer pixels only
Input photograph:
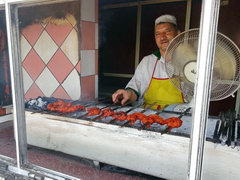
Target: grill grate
[{"x": 40, "y": 104}]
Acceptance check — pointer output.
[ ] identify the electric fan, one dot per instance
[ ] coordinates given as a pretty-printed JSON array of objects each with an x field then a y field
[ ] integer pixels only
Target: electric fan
[{"x": 181, "y": 56}]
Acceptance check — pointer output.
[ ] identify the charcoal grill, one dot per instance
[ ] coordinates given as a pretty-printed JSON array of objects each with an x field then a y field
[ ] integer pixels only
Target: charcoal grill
[
  {"x": 130, "y": 146},
  {"x": 40, "y": 106}
]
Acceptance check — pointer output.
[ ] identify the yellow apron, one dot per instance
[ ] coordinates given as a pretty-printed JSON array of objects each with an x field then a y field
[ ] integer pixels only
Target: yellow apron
[{"x": 163, "y": 92}]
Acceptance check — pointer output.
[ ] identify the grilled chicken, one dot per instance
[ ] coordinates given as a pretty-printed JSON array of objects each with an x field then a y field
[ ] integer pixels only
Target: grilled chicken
[{"x": 147, "y": 120}]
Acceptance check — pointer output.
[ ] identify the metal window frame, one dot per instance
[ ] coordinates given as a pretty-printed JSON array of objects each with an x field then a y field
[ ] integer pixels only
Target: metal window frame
[
  {"x": 208, "y": 30},
  {"x": 22, "y": 165},
  {"x": 205, "y": 61}
]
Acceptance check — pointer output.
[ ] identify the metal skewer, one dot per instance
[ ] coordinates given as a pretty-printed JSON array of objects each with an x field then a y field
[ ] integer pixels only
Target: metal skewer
[
  {"x": 129, "y": 110},
  {"x": 144, "y": 110},
  {"x": 168, "y": 129},
  {"x": 86, "y": 114},
  {"x": 86, "y": 105},
  {"x": 100, "y": 115},
  {"x": 114, "y": 104},
  {"x": 144, "y": 126}
]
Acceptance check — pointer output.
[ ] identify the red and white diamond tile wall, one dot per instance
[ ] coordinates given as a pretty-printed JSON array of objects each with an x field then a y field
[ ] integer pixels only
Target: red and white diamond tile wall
[{"x": 50, "y": 57}]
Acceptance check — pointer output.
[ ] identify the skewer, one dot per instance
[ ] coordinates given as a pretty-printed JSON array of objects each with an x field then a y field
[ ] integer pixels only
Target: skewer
[
  {"x": 144, "y": 126},
  {"x": 144, "y": 110},
  {"x": 168, "y": 129},
  {"x": 86, "y": 114},
  {"x": 46, "y": 111},
  {"x": 101, "y": 116},
  {"x": 65, "y": 113},
  {"x": 129, "y": 110}
]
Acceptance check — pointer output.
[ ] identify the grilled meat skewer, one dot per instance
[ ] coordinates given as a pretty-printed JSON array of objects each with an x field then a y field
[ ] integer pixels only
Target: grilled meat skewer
[
  {"x": 153, "y": 118},
  {"x": 120, "y": 115},
  {"x": 174, "y": 122},
  {"x": 132, "y": 118}
]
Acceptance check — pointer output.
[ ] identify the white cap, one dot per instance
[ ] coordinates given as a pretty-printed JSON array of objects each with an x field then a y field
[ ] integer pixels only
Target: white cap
[{"x": 167, "y": 18}]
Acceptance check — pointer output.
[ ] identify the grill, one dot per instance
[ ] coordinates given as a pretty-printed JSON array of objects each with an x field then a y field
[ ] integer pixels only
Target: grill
[
  {"x": 130, "y": 145},
  {"x": 40, "y": 105}
]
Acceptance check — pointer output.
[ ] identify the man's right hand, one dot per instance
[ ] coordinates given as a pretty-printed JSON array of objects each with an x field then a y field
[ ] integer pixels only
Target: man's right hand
[{"x": 123, "y": 96}]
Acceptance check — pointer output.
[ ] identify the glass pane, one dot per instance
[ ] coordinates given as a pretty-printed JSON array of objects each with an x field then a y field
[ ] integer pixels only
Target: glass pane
[
  {"x": 49, "y": 43},
  {"x": 223, "y": 149},
  {"x": 7, "y": 142}
]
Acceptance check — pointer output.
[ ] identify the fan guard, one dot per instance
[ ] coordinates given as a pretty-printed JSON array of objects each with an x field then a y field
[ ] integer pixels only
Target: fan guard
[{"x": 181, "y": 57}]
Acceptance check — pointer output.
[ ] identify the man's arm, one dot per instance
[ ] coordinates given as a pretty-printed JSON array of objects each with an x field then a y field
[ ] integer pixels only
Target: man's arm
[{"x": 136, "y": 86}]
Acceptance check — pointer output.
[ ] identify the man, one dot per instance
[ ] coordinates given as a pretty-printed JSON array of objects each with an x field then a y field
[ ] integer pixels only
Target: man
[{"x": 150, "y": 81}]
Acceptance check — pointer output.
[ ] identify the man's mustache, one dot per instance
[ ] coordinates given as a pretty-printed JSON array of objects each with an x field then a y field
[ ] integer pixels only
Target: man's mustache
[{"x": 164, "y": 41}]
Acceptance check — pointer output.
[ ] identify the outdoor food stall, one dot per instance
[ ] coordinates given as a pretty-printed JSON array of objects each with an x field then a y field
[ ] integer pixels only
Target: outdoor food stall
[{"x": 57, "y": 59}]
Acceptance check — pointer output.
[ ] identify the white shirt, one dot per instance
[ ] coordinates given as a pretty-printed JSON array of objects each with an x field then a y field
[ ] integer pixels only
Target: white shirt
[{"x": 143, "y": 73}]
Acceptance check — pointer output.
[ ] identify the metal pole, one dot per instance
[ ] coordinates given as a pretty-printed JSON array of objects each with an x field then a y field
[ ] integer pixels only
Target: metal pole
[
  {"x": 206, "y": 52},
  {"x": 17, "y": 85},
  {"x": 138, "y": 34}
]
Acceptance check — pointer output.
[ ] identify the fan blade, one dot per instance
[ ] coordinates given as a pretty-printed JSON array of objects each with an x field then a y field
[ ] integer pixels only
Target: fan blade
[{"x": 225, "y": 64}]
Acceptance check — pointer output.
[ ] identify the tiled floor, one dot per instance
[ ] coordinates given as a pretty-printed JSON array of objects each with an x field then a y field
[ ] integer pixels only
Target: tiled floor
[{"x": 74, "y": 166}]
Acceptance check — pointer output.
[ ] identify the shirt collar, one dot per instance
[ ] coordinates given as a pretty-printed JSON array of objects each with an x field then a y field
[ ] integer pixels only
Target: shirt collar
[
  {"x": 157, "y": 53},
  {"x": 159, "y": 57}
]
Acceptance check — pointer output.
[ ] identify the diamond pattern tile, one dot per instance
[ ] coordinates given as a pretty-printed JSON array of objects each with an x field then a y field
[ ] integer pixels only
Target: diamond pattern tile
[
  {"x": 72, "y": 85},
  {"x": 44, "y": 24},
  {"x": 61, "y": 93},
  {"x": 78, "y": 67},
  {"x": 25, "y": 47},
  {"x": 76, "y": 28},
  {"x": 27, "y": 81},
  {"x": 88, "y": 88},
  {"x": 45, "y": 47},
  {"x": 33, "y": 92},
  {"x": 70, "y": 47},
  {"x": 96, "y": 86},
  {"x": 88, "y": 35},
  {"x": 59, "y": 32},
  {"x": 32, "y": 33},
  {"x": 87, "y": 62},
  {"x": 47, "y": 83},
  {"x": 33, "y": 64},
  {"x": 96, "y": 36},
  {"x": 60, "y": 66},
  {"x": 88, "y": 10},
  {"x": 96, "y": 61}
]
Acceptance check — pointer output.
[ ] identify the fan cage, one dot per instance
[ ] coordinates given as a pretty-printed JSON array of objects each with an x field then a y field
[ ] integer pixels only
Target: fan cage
[{"x": 221, "y": 86}]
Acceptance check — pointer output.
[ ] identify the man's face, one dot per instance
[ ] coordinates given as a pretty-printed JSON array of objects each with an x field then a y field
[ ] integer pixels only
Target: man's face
[{"x": 164, "y": 33}]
